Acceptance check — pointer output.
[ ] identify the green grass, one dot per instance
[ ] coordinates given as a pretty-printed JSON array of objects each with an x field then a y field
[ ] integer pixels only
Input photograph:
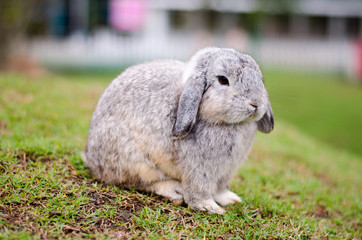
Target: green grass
[
  {"x": 292, "y": 186},
  {"x": 324, "y": 106}
]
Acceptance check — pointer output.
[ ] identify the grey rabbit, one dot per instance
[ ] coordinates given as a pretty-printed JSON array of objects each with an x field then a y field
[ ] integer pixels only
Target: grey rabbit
[{"x": 180, "y": 130}]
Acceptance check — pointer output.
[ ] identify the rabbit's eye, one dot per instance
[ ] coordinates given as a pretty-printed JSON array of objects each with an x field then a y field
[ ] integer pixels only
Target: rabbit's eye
[{"x": 223, "y": 80}]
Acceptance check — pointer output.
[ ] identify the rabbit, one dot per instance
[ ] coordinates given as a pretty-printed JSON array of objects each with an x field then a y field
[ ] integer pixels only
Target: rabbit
[{"x": 180, "y": 130}]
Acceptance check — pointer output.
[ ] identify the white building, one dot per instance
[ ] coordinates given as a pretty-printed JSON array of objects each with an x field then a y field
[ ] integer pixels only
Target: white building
[{"x": 304, "y": 34}]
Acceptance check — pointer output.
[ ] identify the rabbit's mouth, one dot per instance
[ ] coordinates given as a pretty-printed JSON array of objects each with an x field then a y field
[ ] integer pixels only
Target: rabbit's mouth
[
  {"x": 255, "y": 113},
  {"x": 241, "y": 117}
]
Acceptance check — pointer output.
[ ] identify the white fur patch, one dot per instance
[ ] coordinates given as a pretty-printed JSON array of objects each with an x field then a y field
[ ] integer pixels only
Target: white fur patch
[
  {"x": 226, "y": 197},
  {"x": 211, "y": 207},
  {"x": 191, "y": 65},
  {"x": 170, "y": 189},
  {"x": 208, "y": 205}
]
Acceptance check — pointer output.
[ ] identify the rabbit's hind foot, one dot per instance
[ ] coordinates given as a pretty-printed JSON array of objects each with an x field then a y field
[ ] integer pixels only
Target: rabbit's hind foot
[
  {"x": 170, "y": 189},
  {"x": 226, "y": 197}
]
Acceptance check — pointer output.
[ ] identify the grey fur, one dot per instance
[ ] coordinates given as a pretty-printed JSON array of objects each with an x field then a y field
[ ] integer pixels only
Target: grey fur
[{"x": 171, "y": 128}]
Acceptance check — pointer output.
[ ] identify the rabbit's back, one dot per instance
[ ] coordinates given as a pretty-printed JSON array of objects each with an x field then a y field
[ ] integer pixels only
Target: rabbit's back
[
  {"x": 133, "y": 122},
  {"x": 140, "y": 92}
]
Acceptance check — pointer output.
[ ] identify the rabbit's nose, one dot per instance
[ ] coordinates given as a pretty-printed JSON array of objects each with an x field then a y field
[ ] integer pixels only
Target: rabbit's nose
[{"x": 254, "y": 105}]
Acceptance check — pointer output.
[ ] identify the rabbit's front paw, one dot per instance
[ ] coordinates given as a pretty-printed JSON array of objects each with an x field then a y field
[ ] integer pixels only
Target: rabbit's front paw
[
  {"x": 226, "y": 197},
  {"x": 209, "y": 206}
]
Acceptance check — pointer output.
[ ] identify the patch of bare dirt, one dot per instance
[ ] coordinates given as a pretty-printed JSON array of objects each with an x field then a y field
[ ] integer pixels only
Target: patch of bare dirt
[
  {"x": 3, "y": 126},
  {"x": 22, "y": 216},
  {"x": 320, "y": 211}
]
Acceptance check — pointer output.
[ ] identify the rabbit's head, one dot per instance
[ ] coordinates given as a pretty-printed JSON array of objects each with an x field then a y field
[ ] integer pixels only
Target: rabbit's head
[{"x": 223, "y": 86}]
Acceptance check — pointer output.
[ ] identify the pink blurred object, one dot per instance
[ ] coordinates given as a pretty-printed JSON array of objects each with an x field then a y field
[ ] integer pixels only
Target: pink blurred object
[
  {"x": 127, "y": 15},
  {"x": 359, "y": 58}
]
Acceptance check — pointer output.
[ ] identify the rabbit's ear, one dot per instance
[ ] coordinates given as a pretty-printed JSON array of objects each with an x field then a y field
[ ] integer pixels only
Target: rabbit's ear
[
  {"x": 195, "y": 85},
  {"x": 266, "y": 123},
  {"x": 188, "y": 107}
]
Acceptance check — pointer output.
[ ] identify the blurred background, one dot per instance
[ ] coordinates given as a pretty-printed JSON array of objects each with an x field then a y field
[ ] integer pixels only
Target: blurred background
[
  {"x": 310, "y": 50},
  {"x": 319, "y": 35}
]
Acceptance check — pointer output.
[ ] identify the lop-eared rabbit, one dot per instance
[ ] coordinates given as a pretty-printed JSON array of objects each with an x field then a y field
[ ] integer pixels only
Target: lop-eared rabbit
[{"x": 180, "y": 130}]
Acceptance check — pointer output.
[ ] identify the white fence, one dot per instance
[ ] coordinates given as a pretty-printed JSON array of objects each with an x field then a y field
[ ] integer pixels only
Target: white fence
[
  {"x": 331, "y": 56},
  {"x": 105, "y": 50}
]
